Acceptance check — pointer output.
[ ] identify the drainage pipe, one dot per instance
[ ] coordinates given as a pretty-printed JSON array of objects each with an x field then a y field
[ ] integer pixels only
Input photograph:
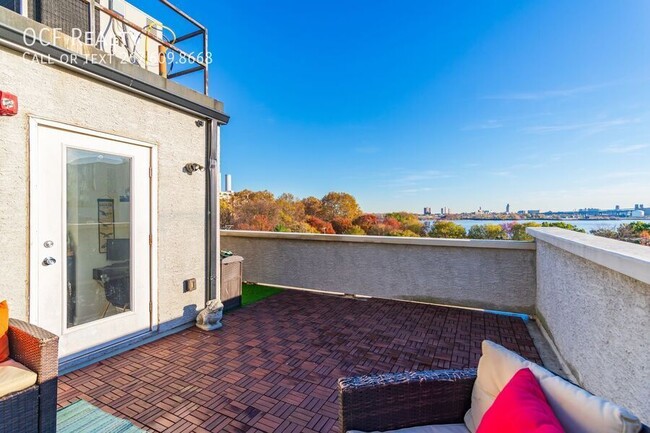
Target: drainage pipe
[{"x": 213, "y": 180}]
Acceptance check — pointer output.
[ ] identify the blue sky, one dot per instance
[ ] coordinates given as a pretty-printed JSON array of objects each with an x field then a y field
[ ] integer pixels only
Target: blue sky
[{"x": 540, "y": 104}]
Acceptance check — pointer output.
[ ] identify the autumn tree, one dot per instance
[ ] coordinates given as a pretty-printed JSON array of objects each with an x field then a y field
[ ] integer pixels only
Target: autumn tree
[
  {"x": 637, "y": 232},
  {"x": 312, "y": 205},
  {"x": 355, "y": 230},
  {"x": 292, "y": 212},
  {"x": 255, "y": 209},
  {"x": 366, "y": 221},
  {"x": 563, "y": 225},
  {"x": 320, "y": 225},
  {"x": 517, "y": 231},
  {"x": 226, "y": 213},
  {"x": 637, "y": 227},
  {"x": 477, "y": 231},
  {"x": 495, "y": 231},
  {"x": 487, "y": 231},
  {"x": 338, "y": 205},
  {"x": 644, "y": 238},
  {"x": 384, "y": 227},
  {"x": 379, "y": 229},
  {"x": 258, "y": 223},
  {"x": 605, "y": 233},
  {"x": 408, "y": 221},
  {"x": 447, "y": 229},
  {"x": 304, "y": 227},
  {"x": 392, "y": 223},
  {"x": 405, "y": 234},
  {"x": 341, "y": 225}
]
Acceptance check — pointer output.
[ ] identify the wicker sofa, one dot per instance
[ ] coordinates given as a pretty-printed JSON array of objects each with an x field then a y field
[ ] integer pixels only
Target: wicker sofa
[
  {"x": 398, "y": 400},
  {"x": 32, "y": 409},
  {"x": 441, "y": 400}
]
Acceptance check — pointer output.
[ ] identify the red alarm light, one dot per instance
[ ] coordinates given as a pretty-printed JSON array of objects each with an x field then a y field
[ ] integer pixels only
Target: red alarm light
[{"x": 8, "y": 104}]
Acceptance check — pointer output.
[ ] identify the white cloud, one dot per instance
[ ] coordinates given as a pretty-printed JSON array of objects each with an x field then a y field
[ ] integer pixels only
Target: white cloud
[
  {"x": 623, "y": 174},
  {"x": 545, "y": 94},
  {"x": 412, "y": 191},
  {"x": 424, "y": 175},
  {"x": 591, "y": 127},
  {"x": 414, "y": 181},
  {"x": 502, "y": 173},
  {"x": 624, "y": 149}
]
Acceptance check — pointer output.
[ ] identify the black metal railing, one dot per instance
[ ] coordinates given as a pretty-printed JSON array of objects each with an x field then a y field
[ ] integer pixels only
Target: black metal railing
[{"x": 83, "y": 17}]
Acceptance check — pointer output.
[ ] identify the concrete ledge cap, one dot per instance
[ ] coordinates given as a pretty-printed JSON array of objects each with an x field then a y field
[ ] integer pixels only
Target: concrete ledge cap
[
  {"x": 426, "y": 242},
  {"x": 624, "y": 257}
]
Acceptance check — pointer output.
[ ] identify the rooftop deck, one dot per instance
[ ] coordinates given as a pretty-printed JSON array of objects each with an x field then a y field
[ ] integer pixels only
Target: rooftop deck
[{"x": 273, "y": 366}]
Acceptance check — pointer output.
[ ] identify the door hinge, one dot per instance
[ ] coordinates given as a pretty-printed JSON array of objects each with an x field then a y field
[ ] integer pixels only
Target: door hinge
[
  {"x": 150, "y": 240},
  {"x": 150, "y": 307},
  {"x": 150, "y": 172}
]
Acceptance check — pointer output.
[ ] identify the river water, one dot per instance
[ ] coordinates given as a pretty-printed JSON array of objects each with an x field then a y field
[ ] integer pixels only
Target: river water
[{"x": 587, "y": 225}]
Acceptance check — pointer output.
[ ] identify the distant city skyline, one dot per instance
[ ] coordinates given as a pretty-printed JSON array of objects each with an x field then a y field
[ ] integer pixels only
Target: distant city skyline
[
  {"x": 430, "y": 209},
  {"x": 510, "y": 209},
  {"x": 540, "y": 104}
]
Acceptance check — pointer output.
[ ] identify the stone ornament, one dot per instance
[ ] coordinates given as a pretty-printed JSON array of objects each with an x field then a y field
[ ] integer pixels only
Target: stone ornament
[{"x": 210, "y": 318}]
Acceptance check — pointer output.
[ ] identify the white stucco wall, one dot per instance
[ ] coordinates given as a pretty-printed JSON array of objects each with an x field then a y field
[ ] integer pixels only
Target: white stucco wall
[
  {"x": 56, "y": 94},
  {"x": 598, "y": 317},
  {"x": 489, "y": 274}
]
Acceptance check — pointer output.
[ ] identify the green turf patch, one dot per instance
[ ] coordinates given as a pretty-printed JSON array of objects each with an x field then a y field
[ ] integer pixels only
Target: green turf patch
[{"x": 251, "y": 293}]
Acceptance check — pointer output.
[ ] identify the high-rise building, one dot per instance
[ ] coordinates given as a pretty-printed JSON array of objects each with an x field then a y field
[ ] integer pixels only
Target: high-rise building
[
  {"x": 227, "y": 192},
  {"x": 508, "y": 208},
  {"x": 427, "y": 211},
  {"x": 228, "y": 183}
]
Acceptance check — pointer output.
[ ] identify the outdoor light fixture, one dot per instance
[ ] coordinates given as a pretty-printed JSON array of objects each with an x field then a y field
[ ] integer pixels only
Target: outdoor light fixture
[
  {"x": 8, "y": 104},
  {"x": 192, "y": 167}
]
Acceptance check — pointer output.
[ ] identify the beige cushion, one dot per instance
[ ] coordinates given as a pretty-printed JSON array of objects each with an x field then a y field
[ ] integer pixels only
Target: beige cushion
[
  {"x": 15, "y": 377},
  {"x": 577, "y": 410},
  {"x": 442, "y": 428}
]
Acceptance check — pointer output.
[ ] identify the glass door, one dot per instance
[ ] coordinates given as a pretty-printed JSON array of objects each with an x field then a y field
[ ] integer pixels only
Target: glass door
[{"x": 92, "y": 239}]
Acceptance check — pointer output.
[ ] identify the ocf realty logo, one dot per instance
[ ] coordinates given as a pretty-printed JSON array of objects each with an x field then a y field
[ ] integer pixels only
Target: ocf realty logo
[{"x": 149, "y": 48}]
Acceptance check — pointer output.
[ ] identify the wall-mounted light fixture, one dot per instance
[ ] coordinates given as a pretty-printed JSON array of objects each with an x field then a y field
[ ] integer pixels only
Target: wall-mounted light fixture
[{"x": 192, "y": 167}]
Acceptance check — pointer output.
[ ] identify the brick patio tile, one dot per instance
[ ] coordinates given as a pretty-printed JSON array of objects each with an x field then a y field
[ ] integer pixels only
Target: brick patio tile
[{"x": 274, "y": 365}]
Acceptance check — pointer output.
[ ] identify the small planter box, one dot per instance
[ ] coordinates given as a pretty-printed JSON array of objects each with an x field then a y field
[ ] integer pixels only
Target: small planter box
[{"x": 231, "y": 281}]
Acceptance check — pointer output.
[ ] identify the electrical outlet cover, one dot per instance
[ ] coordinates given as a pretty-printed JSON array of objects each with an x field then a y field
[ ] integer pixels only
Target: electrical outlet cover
[{"x": 189, "y": 285}]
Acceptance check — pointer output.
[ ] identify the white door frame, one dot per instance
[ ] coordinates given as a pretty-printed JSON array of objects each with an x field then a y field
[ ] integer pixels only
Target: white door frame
[{"x": 34, "y": 181}]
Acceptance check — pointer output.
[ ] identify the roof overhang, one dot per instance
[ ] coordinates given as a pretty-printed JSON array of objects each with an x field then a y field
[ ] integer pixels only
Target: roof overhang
[{"x": 26, "y": 35}]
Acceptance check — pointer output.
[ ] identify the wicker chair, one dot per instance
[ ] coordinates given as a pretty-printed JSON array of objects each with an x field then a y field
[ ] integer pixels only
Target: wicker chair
[
  {"x": 400, "y": 400},
  {"x": 32, "y": 409}
]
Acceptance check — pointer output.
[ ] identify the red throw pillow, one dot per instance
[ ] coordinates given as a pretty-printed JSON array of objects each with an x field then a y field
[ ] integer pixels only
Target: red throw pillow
[
  {"x": 4, "y": 328},
  {"x": 520, "y": 407}
]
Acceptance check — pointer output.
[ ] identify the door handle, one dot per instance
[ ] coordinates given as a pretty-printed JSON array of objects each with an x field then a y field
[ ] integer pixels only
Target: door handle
[{"x": 48, "y": 261}]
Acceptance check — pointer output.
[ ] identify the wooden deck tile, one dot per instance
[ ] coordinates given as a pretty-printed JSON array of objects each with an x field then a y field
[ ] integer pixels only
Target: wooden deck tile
[{"x": 273, "y": 366}]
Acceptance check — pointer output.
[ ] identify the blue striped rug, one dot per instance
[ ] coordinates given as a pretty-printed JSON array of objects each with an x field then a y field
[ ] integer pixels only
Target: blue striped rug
[{"x": 83, "y": 417}]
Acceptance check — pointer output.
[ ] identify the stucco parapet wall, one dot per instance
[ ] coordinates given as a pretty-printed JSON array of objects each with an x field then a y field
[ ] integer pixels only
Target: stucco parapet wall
[
  {"x": 394, "y": 240},
  {"x": 17, "y": 32},
  {"x": 626, "y": 258}
]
